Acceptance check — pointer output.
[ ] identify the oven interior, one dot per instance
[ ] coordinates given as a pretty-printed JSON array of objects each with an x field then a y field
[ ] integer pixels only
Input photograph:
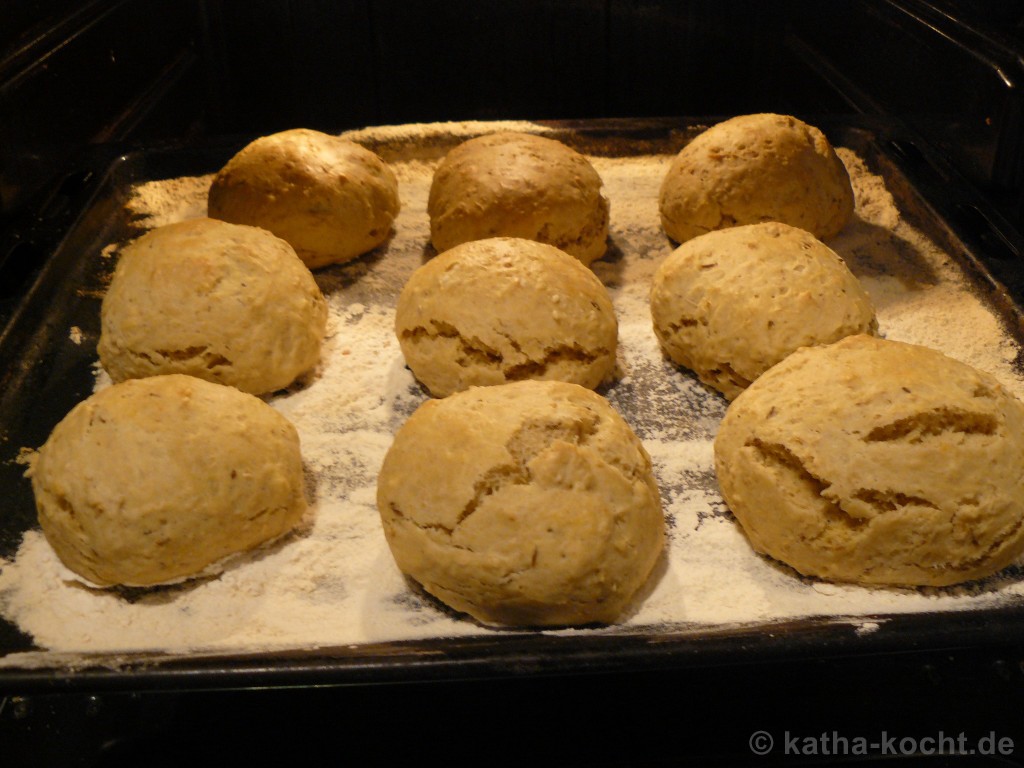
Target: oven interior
[{"x": 83, "y": 83}]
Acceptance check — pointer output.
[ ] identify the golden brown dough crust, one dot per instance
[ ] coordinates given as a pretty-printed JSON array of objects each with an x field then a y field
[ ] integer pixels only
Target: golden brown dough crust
[
  {"x": 732, "y": 303},
  {"x": 331, "y": 198},
  {"x": 512, "y": 184},
  {"x": 755, "y": 168},
  {"x": 528, "y": 504},
  {"x": 157, "y": 479},
  {"x": 877, "y": 462},
  {"x": 224, "y": 302},
  {"x": 505, "y": 309}
]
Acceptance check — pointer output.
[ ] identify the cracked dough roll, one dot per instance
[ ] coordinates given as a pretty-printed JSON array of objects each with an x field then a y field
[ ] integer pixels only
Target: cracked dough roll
[
  {"x": 504, "y": 309},
  {"x": 519, "y": 185},
  {"x": 331, "y": 198},
  {"x": 730, "y": 304},
  {"x": 754, "y": 168},
  {"x": 877, "y": 462},
  {"x": 224, "y": 302},
  {"x": 524, "y": 504},
  {"x": 159, "y": 479}
]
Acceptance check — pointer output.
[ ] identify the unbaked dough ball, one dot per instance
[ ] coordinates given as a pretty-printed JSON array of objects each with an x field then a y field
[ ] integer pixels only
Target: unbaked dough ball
[
  {"x": 503, "y": 309},
  {"x": 730, "y": 304},
  {"x": 877, "y": 462},
  {"x": 524, "y": 504},
  {"x": 519, "y": 185},
  {"x": 331, "y": 198},
  {"x": 225, "y": 302},
  {"x": 756, "y": 168},
  {"x": 154, "y": 480}
]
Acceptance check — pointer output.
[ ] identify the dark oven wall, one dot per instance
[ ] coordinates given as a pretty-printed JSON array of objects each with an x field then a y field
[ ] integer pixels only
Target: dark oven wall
[
  {"x": 150, "y": 71},
  {"x": 328, "y": 64},
  {"x": 951, "y": 71},
  {"x": 73, "y": 74},
  {"x": 156, "y": 70}
]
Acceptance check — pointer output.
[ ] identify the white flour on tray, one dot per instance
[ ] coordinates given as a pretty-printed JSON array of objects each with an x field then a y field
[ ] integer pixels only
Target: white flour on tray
[{"x": 336, "y": 585}]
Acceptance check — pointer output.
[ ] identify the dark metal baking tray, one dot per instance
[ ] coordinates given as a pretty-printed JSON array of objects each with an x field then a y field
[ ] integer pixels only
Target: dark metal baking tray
[{"x": 43, "y": 374}]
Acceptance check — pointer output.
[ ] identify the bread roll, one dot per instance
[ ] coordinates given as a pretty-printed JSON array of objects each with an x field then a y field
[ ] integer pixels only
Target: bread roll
[
  {"x": 730, "y": 304},
  {"x": 519, "y": 185},
  {"x": 524, "y": 504},
  {"x": 503, "y": 309},
  {"x": 224, "y": 302},
  {"x": 877, "y": 462},
  {"x": 755, "y": 168},
  {"x": 332, "y": 199},
  {"x": 155, "y": 480}
]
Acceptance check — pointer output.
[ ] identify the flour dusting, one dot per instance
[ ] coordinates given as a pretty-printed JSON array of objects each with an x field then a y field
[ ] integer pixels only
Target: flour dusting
[{"x": 336, "y": 584}]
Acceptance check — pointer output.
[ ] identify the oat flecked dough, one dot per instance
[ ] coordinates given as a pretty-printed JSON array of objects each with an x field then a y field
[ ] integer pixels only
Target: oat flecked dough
[
  {"x": 505, "y": 309},
  {"x": 877, "y": 462},
  {"x": 755, "y": 168},
  {"x": 524, "y": 504},
  {"x": 224, "y": 302},
  {"x": 732, "y": 303},
  {"x": 155, "y": 480},
  {"x": 511, "y": 184},
  {"x": 331, "y": 198}
]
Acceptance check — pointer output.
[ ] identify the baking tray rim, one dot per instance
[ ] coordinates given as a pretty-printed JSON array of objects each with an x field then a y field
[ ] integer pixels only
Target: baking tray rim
[{"x": 525, "y": 652}]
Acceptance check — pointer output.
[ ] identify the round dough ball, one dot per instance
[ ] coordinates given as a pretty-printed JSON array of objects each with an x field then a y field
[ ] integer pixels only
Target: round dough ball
[
  {"x": 332, "y": 199},
  {"x": 877, "y": 462},
  {"x": 730, "y": 304},
  {"x": 225, "y": 302},
  {"x": 524, "y": 504},
  {"x": 756, "y": 168},
  {"x": 519, "y": 185},
  {"x": 504, "y": 309},
  {"x": 154, "y": 480}
]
